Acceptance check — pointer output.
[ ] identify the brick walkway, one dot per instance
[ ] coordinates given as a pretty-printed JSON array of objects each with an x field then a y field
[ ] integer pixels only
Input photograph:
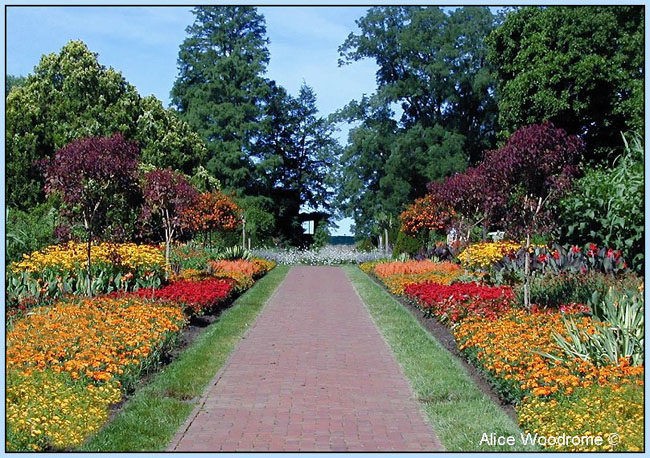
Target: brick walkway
[{"x": 314, "y": 374}]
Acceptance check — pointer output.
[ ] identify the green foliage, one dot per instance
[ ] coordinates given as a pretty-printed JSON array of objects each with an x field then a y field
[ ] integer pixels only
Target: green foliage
[
  {"x": 220, "y": 86},
  {"x": 321, "y": 236},
  {"x": 166, "y": 141},
  {"x": 296, "y": 149},
  {"x": 366, "y": 244},
  {"x": 70, "y": 96},
  {"x": 408, "y": 245},
  {"x": 554, "y": 289},
  {"x": 29, "y": 231},
  {"x": 12, "y": 81},
  {"x": 621, "y": 336},
  {"x": 606, "y": 206},
  {"x": 580, "y": 68},
  {"x": 433, "y": 65}
]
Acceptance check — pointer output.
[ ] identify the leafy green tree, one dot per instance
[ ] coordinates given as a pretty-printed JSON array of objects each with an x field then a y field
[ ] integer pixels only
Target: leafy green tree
[
  {"x": 363, "y": 161},
  {"x": 432, "y": 67},
  {"x": 297, "y": 150},
  {"x": 220, "y": 87},
  {"x": 13, "y": 81},
  {"x": 70, "y": 96},
  {"x": 166, "y": 140},
  {"x": 579, "y": 67}
]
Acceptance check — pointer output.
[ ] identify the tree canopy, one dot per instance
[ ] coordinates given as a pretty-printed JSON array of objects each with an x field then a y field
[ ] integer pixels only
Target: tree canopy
[
  {"x": 578, "y": 67},
  {"x": 220, "y": 87},
  {"x": 433, "y": 69},
  {"x": 70, "y": 96}
]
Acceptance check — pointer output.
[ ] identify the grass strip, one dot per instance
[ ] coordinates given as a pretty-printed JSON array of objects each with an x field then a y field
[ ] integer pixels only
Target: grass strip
[
  {"x": 151, "y": 418},
  {"x": 458, "y": 410}
]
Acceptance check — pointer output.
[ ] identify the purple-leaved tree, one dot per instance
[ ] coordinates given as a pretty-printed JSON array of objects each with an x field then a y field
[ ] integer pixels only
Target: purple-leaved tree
[
  {"x": 169, "y": 195},
  {"x": 86, "y": 174}
]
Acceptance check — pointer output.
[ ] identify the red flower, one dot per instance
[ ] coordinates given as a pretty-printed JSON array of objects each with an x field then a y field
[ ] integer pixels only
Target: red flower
[
  {"x": 575, "y": 249},
  {"x": 455, "y": 302},
  {"x": 542, "y": 258},
  {"x": 556, "y": 255}
]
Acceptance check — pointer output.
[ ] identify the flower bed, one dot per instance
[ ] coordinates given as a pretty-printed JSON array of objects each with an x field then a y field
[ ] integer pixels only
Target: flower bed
[
  {"x": 196, "y": 296},
  {"x": 414, "y": 267},
  {"x": 614, "y": 413},
  {"x": 95, "y": 339},
  {"x": 512, "y": 352},
  {"x": 328, "y": 255},
  {"x": 60, "y": 270},
  {"x": 71, "y": 257},
  {"x": 483, "y": 255},
  {"x": 44, "y": 410},
  {"x": 69, "y": 362},
  {"x": 451, "y": 303},
  {"x": 66, "y": 364},
  {"x": 516, "y": 350}
]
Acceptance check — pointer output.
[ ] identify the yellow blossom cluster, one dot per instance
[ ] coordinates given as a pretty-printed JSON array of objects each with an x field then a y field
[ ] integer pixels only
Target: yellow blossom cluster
[
  {"x": 615, "y": 414},
  {"x": 45, "y": 411},
  {"x": 71, "y": 256},
  {"x": 483, "y": 255}
]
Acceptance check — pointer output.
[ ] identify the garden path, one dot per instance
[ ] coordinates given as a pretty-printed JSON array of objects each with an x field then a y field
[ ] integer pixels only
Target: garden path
[{"x": 313, "y": 374}]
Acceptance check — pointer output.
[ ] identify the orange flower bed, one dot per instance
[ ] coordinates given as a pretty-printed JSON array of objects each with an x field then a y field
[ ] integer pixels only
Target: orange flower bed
[
  {"x": 397, "y": 284},
  {"x": 509, "y": 349},
  {"x": 98, "y": 339},
  {"x": 252, "y": 269},
  {"x": 415, "y": 267}
]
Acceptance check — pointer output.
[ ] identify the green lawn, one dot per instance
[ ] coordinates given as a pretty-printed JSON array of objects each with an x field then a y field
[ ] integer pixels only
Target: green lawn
[
  {"x": 458, "y": 410},
  {"x": 153, "y": 415}
]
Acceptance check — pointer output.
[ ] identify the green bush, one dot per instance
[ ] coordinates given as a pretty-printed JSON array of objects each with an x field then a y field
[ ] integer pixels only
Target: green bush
[
  {"x": 554, "y": 289},
  {"x": 366, "y": 245},
  {"x": 621, "y": 336},
  {"x": 606, "y": 206},
  {"x": 408, "y": 245},
  {"x": 30, "y": 231}
]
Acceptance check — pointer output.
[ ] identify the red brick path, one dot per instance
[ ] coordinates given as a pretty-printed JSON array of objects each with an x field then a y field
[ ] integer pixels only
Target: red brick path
[{"x": 313, "y": 374}]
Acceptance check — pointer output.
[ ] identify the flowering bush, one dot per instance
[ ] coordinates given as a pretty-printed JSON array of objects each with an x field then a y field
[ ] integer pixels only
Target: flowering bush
[
  {"x": 597, "y": 410},
  {"x": 483, "y": 255},
  {"x": 197, "y": 296},
  {"x": 511, "y": 350},
  {"x": 451, "y": 303},
  {"x": 212, "y": 211},
  {"x": 44, "y": 410},
  {"x": 425, "y": 214}
]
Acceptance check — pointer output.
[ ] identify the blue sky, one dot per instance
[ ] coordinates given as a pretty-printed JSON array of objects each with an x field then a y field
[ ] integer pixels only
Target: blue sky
[{"x": 142, "y": 43}]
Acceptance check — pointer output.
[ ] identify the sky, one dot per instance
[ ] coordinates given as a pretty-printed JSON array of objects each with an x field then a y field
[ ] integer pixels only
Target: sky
[{"x": 143, "y": 43}]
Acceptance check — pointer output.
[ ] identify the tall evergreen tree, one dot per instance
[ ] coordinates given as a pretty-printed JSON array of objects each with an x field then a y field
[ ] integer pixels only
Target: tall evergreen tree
[
  {"x": 297, "y": 150},
  {"x": 220, "y": 87}
]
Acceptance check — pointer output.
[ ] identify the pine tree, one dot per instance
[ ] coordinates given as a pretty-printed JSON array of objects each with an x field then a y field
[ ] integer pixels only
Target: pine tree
[{"x": 220, "y": 87}]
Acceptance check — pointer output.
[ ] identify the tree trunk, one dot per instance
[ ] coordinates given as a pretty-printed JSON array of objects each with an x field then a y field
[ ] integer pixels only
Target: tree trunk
[
  {"x": 381, "y": 242},
  {"x": 527, "y": 273},
  {"x": 243, "y": 235},
  {"x": 386, "y": 238},
  {"x": 88, "y": 244}
]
